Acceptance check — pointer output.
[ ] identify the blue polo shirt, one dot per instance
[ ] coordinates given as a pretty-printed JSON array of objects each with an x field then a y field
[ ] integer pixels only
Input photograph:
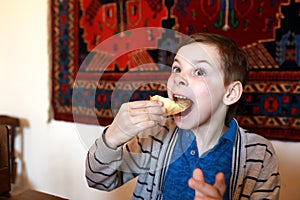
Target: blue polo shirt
[{"x": 185, "y": 159}]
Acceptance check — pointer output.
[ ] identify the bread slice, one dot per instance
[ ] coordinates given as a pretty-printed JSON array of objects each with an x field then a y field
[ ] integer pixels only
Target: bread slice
[{"x": 172, "y": 107}]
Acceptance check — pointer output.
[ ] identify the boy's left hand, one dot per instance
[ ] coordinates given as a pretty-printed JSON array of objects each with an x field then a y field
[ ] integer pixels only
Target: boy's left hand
[{"x": 205, "y": 191}]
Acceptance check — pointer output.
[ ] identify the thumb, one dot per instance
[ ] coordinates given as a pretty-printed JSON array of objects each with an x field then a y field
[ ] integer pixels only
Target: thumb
[{"x": 220, "y": 183}]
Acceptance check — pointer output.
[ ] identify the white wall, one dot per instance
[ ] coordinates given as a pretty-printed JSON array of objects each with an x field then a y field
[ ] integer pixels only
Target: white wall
[{"x": 54, "y": 153}]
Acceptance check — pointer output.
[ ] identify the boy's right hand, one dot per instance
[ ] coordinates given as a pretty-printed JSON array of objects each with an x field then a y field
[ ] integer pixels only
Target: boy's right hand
[
  {"x": 132, "y": 118},
  {"x": 205, "y": 191}
]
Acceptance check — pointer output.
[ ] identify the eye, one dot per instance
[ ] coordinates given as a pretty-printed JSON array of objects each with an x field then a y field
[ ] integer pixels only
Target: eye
[
  {"x": 176, "y": 69},
  {"x": 200, "y": 72}
]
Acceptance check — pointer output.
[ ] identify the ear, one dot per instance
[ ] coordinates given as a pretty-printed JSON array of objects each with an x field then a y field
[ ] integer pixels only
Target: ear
[{"x": 233, "y": 93}]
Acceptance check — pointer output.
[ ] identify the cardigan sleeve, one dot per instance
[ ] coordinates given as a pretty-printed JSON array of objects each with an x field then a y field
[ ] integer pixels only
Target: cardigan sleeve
[
  {"x": 102, "y": 166},
  {"x": 262, "y": 178},
  {"x": 107, "y": 169},
  {"x": 145, "y": 156}
]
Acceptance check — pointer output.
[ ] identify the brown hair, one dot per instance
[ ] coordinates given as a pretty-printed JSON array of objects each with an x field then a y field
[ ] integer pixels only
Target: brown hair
[{"x": 233, "y": 60}]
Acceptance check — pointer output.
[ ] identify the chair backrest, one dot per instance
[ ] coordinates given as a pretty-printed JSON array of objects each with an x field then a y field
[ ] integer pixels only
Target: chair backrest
[
  {"x": 4, "y": 161},
  {"x": 12, "y": 124}
]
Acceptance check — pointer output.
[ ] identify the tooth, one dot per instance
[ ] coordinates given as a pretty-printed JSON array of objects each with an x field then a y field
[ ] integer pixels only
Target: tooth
[{"x": 180, "y": 97}]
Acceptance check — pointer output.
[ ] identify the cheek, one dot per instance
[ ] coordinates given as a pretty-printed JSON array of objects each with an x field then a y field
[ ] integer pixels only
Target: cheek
[
  {"x": 203, "y": 101},
  {"x": 169, "y": 80},
  {"x": 169, "y": 86},
  {"x": 210, "y": 99},
  {"x": 201, "y": 89},
  {"x": 209, "y": 88},
  {"x": 206, "y": 95}
]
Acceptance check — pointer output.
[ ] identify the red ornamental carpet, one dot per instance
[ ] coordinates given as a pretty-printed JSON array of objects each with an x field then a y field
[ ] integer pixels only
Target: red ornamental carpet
[{"x": 105, "y": 53}]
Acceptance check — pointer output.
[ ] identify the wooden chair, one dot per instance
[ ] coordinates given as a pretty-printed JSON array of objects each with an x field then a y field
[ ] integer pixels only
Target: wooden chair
[
  {"x": 8, "y": 126},
  {"x": 12, "y": 124},
  {"x": 4, "y": 161}
]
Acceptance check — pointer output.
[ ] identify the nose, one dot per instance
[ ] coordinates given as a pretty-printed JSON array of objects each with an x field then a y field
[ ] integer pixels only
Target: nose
[{"x": 180, "y": 80}]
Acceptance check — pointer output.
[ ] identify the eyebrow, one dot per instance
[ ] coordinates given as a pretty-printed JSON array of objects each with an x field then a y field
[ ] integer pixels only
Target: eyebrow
[
  {"x": 203, "y": 61},
  {"x": 195, "y": 62}
]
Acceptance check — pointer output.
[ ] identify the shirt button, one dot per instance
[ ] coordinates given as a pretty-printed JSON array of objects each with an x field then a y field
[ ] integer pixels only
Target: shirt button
[
  {"x": 192, "y": 152},
  {"x": 187, "y": 134}
]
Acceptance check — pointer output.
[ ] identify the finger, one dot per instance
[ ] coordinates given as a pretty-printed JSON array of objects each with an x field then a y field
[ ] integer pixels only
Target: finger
[
  {"x": 146, "y": 118},
  {"x": 197, "y": 179},
  {"x": 156, "y": 124},
  {"x": 204, "y": 190},
  {"x": 148, "y": 110},
  {"x": 145, "y": 125},
  {"x": 201, "y": 188},
  {"x": 220, "y": 183},
  {"x": 198, "y": 175},
  {"x": 144, "y": 104}
]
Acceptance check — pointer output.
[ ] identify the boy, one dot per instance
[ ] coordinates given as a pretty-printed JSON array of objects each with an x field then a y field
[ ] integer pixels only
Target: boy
[{"x": 200, "y": 153}]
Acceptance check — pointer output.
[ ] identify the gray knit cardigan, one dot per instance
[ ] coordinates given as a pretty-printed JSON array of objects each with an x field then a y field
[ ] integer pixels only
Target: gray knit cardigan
[{"x": 255, "y": 172}]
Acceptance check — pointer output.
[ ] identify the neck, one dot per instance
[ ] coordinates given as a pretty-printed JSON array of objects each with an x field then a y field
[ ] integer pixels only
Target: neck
[{"x": 207, "y": 137}]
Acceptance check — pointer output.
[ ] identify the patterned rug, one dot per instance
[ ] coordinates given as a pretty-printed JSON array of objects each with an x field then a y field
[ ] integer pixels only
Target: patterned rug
[{"x": 105, "y": 53}]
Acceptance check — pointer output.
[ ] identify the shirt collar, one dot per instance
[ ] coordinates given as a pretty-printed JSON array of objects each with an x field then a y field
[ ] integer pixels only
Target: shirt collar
[{"x": 230, "y": 133}]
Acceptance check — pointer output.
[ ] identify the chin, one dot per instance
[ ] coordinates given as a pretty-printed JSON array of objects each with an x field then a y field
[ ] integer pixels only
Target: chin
[{"x": 183, "y": 124}]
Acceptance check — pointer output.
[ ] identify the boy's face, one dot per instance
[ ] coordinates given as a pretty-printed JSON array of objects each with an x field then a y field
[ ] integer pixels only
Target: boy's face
[{"x": 197, "y": 75}]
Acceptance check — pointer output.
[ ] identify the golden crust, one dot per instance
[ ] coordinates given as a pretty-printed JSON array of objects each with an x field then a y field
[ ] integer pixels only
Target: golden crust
[{"x": 171, "y": 106}]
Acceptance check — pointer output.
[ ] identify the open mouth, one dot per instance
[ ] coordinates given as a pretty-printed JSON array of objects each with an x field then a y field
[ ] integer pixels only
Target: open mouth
[{"x": 183, "y": 102}]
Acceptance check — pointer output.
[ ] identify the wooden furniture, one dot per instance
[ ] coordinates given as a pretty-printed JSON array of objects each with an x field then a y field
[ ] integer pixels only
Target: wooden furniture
[
  {"x": 12, "y": 123},
  {"x": 30, "y": 195},
  {"x": 7, "y": 158},
  {"x": 4, "y": 161}
]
